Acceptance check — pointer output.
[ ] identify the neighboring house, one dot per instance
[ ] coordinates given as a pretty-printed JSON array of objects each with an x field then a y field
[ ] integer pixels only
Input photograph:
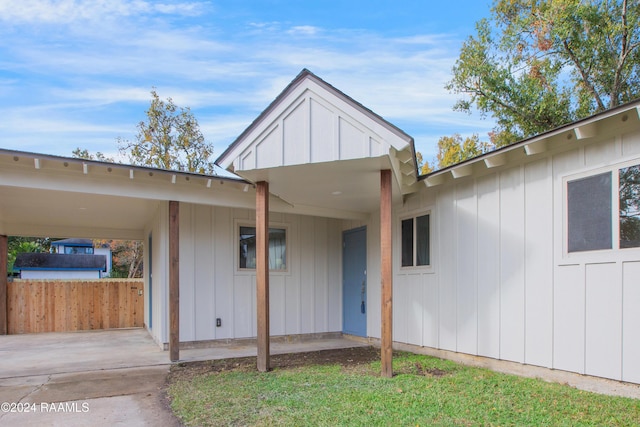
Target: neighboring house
[
  {"x": 60, "y": 266},
  {"x": 524, "y": 254},
  {"x": 70, "y": 259},
  {"x": 86, "y": 247}
]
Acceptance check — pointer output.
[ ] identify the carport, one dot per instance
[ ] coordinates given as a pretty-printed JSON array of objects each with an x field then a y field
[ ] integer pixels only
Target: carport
[{"x": 43, "y": 195}]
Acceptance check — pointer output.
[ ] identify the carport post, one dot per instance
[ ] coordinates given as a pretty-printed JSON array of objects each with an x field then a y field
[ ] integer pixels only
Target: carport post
[
  {"x": 174, "y": 281},
  {"x": 4, "y": 251},
  {"x": 386, "y": 267},
  {"x": 262, "y": 273}
]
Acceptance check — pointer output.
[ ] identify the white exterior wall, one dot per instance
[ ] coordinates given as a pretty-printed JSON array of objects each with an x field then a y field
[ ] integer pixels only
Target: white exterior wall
[
  {"x": 159, "y": 231},
  {"x": 501, "y": 284},
  {"x": 307, "y": 298}
]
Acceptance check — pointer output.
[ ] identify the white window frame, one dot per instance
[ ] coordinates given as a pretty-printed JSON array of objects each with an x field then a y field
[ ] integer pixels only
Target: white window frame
[
  {"x": 600, "y": 255},
  {"x": 414, "y": 216},
  {"x": 252, "y": 271}
]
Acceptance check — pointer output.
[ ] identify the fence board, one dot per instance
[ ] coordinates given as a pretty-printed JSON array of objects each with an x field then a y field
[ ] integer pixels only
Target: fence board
[{"x": 73, "y": 305}]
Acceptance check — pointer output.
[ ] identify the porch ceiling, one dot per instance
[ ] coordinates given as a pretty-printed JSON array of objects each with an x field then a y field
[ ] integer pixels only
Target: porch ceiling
[
  {"x": 35, "y": 212},
  {"x": 43, "y": 195},
  {"x": 348, "y": 189}
]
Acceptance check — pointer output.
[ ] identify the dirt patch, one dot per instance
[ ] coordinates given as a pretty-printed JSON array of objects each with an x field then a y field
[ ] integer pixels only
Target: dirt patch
[
  {"x": 347, "y": 357},
  {"x": 434, "y": 372}
]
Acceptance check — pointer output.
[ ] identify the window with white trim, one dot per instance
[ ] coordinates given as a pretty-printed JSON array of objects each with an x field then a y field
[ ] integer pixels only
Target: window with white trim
[
  {"x": 415, "y": 241},
  {"x": 603, "y": 205},
  {"x": 277, "y": 248}
]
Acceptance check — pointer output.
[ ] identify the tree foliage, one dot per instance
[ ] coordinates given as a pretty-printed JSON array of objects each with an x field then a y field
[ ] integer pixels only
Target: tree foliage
[
  {"x": 17, "y": 245},
  {"x": 538, "y": 64},
  {"x": 169, "y": 139},
  {"x": 454, "y": 149},
  {"x": 79, "y": 153},
  {"x": 126, "y": 257}
]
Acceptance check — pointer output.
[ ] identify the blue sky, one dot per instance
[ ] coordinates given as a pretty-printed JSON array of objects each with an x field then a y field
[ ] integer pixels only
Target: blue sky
[{"x": 77, "y": 73}]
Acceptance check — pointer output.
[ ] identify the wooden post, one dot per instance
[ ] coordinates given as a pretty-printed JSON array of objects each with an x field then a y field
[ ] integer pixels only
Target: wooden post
[
  {"x": 262, "y": 273},
  {"x": 174, "y": 281},
  {"x": 386, "y": 266},
  {"x": 4, "y": 252}
]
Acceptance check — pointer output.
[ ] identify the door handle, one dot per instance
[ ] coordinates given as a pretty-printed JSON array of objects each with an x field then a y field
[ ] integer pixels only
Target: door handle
[{"x": 362, "y": 297}]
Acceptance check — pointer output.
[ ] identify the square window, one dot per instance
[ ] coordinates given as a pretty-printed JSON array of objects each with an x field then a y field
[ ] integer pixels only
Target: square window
[{"x": 277, "y": 248}]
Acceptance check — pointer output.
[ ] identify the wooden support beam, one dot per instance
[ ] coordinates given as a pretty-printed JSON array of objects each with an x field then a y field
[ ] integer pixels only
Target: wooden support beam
[
  {"x": 262, "y": 273},
  {"x": 174, "y": 281},
  {"x": 386, "y": 268},
  {"x": 3, "y": 285}
]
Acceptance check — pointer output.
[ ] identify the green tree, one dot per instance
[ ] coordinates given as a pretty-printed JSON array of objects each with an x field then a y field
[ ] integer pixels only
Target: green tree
[
  {"x": 169, "y": 139},
  {"x": 17, "y": 245},
  {"x": 453, "y": 149},
  {"x": 538, "y": 64},
  {"x": 79, "y": 153}
]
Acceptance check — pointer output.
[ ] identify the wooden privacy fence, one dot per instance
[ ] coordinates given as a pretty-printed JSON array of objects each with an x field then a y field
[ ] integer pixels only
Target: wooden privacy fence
[{"x": 74, "y": 305}]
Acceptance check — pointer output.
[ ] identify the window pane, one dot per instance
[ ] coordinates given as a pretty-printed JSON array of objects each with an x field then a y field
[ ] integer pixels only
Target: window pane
[
  {"x": 247, "y": 247},
  {"x": 407, "y": 242},
  {"x": 630, "y": 207},
  {"x": 277, "y": 248},
  {"x": 589, "y": 213},
  {"x": 422, "y": 240}
]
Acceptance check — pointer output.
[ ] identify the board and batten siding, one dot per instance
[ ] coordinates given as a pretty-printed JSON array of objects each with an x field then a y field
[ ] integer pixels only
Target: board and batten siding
[
  {"x": 159, "y": 309},
  {"x": 304, "y": 299},
  {"x": 501, "y": 284}
]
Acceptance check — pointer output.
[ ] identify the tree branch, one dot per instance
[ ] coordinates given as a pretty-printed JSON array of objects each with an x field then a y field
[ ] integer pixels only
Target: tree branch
[{"x": 584, "y": 75}]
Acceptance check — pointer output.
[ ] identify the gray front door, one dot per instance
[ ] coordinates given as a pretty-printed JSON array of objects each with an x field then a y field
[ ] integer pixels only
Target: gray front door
[{"x": 354, "y": 282}]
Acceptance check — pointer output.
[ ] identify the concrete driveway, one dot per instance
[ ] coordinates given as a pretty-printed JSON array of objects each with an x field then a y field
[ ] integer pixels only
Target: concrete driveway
[
  {"x": 103, "y": 378},
  {"x": 83, "y": 378}
]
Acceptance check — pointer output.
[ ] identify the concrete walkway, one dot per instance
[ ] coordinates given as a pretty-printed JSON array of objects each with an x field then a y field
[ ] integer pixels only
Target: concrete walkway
[{"x": 110, "y": 378}]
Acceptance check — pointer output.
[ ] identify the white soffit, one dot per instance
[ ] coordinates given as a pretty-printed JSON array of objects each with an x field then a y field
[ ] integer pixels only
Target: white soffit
[{"x": 46, "y": 195}]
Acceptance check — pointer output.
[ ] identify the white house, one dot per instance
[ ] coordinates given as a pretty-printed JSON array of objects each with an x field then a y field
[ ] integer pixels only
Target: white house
[
  {"x": 69, "y": 259},
  {"x": 527, "y": 254}
]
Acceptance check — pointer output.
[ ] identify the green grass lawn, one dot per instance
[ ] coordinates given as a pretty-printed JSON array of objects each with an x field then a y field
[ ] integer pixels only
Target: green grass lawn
[{"x": 425, "y": 391}]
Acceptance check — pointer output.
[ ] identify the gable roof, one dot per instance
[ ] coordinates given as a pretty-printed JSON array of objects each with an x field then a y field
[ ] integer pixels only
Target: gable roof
[
  {"x": 226, "y": 158},
  {"x": 47, "y": 261},
  {"x": 322, "y": 152}
]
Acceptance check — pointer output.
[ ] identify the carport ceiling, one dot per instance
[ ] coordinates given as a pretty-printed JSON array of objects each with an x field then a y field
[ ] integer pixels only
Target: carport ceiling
[{"x": 34, "y": 212}]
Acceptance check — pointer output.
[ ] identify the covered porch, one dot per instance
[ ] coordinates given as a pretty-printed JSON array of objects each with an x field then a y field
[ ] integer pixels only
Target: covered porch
[
  {"x": 315, "y": 162},
  {"x": 65, "y": 352}
]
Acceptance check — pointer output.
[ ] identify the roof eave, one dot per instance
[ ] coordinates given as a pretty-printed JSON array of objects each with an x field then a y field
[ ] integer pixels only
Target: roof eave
[{"x": 530, "y": 144}]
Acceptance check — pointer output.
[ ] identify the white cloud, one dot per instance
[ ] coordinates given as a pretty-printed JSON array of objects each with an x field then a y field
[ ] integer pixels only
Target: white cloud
[
  {"x": 67, "y": 11},
  {"x": 227, "y": 76},
  {"x": 307, "y": 30}
]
